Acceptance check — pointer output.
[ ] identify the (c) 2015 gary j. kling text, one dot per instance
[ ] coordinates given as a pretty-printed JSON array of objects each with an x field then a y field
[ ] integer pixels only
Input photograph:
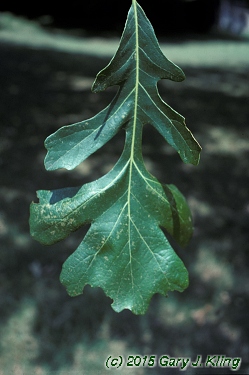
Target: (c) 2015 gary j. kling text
[{"x": 165, "y": 361}]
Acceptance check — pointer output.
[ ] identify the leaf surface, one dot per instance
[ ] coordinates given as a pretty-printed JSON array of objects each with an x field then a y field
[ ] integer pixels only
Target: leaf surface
[{"x": 125, "y": 251}]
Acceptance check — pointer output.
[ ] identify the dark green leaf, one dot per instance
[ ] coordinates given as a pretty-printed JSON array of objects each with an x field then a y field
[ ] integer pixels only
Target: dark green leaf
[{"x": 125, "y": 250}]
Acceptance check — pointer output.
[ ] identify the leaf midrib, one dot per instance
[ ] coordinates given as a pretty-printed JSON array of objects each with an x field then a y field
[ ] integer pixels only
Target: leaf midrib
[{"x": 136, "y": 56}]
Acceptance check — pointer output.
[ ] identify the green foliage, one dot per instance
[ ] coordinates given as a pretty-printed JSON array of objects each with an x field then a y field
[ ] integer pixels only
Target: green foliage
[{"x": 125, "y": 252}]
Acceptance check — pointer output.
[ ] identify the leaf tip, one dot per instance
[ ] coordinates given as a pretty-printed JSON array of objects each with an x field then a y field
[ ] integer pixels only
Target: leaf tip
[{"x": 181, "y": 75}]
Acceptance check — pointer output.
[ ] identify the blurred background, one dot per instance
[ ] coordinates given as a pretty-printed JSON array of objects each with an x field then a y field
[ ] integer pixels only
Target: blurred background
[{"x": 49, "y": 56}]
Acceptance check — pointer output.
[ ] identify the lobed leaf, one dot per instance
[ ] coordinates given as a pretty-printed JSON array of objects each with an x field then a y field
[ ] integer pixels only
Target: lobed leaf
[{"x": 125, "y": 250}]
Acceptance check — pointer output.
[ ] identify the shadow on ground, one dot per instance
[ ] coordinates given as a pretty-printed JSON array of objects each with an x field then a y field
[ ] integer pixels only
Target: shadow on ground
[{"x": 44, "y": 329}]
